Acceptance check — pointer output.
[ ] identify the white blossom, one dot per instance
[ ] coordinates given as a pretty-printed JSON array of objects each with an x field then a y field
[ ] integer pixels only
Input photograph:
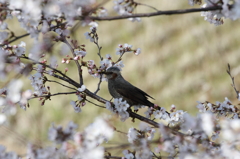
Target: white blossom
[
  {"x": 76, "y": 108},
  {"x": 3, "y": 36},
  {"x": 132, "y": 135},
  {"x": 3, "y": 26},
  {"x": 207, "y": 123},
  {"x": 59, "y": 135},
  {"x": 105, "y": 63},
  {"x": 160, "y": 114},
  {"x": 127, "y": 154},
  {"x": 88, "y": 36},
  {"x": 80, "y": 54},
  {"x": 83, "y": 88},
  {"x": 138, "y": 51}
]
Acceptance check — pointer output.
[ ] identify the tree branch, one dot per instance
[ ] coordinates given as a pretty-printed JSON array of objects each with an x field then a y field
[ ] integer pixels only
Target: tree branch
[
  {"x": 77, "y": 63},
  {"x": 99, "y": 83},
  {"x": 139, "y": 15},
  {"x": 50, "y": 95}
]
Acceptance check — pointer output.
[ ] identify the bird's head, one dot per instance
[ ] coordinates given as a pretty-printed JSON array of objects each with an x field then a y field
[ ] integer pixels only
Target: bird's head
[{"x": 112, "y": 72}]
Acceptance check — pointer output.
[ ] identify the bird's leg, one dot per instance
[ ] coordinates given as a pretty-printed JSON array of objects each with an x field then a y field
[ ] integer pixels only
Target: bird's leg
[{"x": 111, "y": 99}]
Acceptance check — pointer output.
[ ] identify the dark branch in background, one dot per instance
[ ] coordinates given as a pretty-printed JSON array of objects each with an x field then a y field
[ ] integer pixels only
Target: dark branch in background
[
  {"x": 16, "y": 38},
  {"x": 79, "y": 67},
  {"x": 170, "y": 12},
  {"x": 139, "y": 15},
  {"x": 233, "y": 82},
  {"x": 26, "y": 34}
]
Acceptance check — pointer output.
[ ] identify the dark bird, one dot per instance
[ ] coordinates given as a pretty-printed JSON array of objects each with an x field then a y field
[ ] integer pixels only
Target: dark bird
[{"x": 120, "y": 88}]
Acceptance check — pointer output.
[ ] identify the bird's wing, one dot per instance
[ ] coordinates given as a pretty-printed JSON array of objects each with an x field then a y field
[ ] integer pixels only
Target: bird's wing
[{"x": 133, "y": 93}]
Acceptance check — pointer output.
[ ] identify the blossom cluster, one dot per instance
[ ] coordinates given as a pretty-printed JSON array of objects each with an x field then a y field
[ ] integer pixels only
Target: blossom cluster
[
  {"x": 226, "y": 108},
  {"x": 45, "y": 12},
  {"x": 86, "y": 144},
  {"x": 126, "y": 48},
  {"x": 10, "y": 59},
  {"x": 81, "y": 99},
  {"x": 140, "y": 142},
  {"x": 211, "y": 134},
  {"x": 230, "y": 9},
  {"x": 126, "y": 7},
  {"x": 120, "y": 108},
  {"x": 78, "y": 55},
  {"x": 105, "y": 63}
]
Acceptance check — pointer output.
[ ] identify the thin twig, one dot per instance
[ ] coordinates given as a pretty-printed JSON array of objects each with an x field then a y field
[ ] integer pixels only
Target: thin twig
[
  {"x": 141, "y": 15},
  {"x": 147, "y": 6},
  {"x": 120, "y": 58},
  {"x": 99, "y": 83},
  {"x": 120, "y": 132},
  {"x": 233, "y": 82},
  {"x": 79, "y": 67},
  {"x": 50, "y": 95},
  {"x": 95, "y": 104},
  {"x": 101, "y": 58},
  {"x": 16, "y": 38},
  {"x": 61, "y": 84},
  {"x": 99, "y": 49}
]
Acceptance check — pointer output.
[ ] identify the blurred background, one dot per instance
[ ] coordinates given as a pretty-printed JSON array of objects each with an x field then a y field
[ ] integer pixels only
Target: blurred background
[{"x": 183, "y": 60}]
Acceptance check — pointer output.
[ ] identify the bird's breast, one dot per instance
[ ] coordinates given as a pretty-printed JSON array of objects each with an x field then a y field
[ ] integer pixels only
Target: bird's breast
[{"x": 112, "y": 90}]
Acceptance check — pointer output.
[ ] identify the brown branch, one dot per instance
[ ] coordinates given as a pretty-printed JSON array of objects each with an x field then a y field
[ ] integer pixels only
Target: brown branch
[
  {"x": 79, "y": 67},
  {"x": 139, "y": 15},
  {"x": 16, "y": 38},
  {"x": 169, "y": 12},
  {"x": 146, "y": 120},
  {"x": 99, "y": 83}
]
